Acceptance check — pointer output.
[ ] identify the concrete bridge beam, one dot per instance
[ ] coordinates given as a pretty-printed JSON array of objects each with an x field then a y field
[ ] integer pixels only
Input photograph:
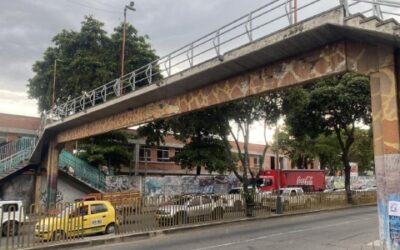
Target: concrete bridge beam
[{"x": 385, "y": 98}]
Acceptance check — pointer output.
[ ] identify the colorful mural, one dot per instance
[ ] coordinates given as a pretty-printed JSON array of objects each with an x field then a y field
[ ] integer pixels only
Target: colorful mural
[
  {"x": 357, "y": 182},
  {"x": 174, "y": 185}
]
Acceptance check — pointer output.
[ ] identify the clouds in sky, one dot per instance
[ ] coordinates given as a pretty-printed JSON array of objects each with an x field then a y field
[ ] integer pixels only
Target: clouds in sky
[{"x": 27, "y": 27}]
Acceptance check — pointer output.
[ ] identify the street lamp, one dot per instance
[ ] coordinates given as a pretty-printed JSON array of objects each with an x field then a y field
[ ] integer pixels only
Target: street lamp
[
  {"x": 53, "y": 95},
  {"x": 127, "y": 7},
  {"x": 279, "y": 207}
]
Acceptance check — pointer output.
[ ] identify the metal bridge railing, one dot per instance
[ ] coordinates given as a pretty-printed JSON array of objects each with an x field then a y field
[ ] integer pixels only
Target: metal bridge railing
[
  {"x": 82, "y": 170},
  {"x": 271, "y": 17},
  {"x": 14, "y": 153}
]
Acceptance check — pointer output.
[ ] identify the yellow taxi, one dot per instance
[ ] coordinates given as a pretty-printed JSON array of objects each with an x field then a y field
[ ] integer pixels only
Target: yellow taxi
[{"x": 83, "y": 218}]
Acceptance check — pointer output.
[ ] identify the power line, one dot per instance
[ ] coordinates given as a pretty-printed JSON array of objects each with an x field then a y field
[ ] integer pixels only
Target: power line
[
  {"x": 92, "y": 7},
  {"x": 104, "y": 4}
]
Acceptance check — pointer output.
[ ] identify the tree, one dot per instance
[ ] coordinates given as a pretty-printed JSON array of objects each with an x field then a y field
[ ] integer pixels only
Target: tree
[
  {"x": 109, "y": 149},
  {"x": 362, "y": 150},
  {"x": 90, "y": 59},
  {"x": 333, "y": 105},
  {"x": 206, "y": 135}
]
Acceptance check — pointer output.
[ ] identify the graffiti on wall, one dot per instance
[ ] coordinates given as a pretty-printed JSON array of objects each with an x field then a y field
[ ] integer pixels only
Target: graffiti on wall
[
  {"x": 120, "y": 183},
  {"x": 175, "y": 185},
  {"x": 43, "y": 197},
  {"x": 356, "y": 182}
]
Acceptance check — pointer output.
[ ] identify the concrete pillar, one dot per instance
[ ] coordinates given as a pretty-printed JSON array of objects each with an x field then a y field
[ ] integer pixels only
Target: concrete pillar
[
  {"x": 52, "y": 174},
  {"x": 38, "y": 188},
  {"x": 384, "y": 98}
]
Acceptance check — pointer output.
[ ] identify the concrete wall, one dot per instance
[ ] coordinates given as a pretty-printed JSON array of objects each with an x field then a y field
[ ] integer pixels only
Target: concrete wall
[
  {"x": 19, "y": 187},
  {"x": 122, "y": 183},
  {"x": 68, "y": 189}
]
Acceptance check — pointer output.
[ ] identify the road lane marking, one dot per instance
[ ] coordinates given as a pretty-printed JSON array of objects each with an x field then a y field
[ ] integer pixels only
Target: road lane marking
[{"x": 278, "y": 234}]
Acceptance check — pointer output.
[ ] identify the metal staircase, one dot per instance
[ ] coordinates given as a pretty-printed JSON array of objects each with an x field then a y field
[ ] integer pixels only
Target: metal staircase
[
  {"x": 82, "y": 171},
  {"x": 15, "y": 155}
]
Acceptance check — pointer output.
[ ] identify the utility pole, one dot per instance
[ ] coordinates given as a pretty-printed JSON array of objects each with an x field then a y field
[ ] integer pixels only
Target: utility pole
[
  {"x": 279, "y": 208},
  {"x": 53, "y": 89},
  {"x": 127, "y": 7}
]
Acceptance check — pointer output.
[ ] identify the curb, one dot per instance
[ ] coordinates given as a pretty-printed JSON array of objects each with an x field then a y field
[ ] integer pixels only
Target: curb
[{"x": 145, "y": 235}]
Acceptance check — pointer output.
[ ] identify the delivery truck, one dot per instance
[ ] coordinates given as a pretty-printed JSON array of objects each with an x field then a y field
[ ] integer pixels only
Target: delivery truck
[{"x": 308, "y": 180}]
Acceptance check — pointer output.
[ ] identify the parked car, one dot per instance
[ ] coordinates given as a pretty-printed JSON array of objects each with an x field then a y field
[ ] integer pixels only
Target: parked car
[
  {"x": 235, "y": 199},
  {"x": 88, "y": 217},
  {"x": 180, "y": 210},
  {"x": 292, "y": 197},
  {"x": 13, "y": 215}
]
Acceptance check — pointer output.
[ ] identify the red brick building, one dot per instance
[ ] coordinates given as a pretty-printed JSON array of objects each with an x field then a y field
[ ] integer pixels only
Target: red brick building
[
  {"x": 14, "y": 126},
  {"x": 156, "y": 160}
]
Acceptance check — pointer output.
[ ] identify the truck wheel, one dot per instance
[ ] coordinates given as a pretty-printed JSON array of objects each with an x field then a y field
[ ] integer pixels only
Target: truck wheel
[
  {"x": 110, "y": 229},
  {"x": 58, "y": 235},
  {"x": 181, "y": 218},
  {"x": 217, "y": 213},
  {"x": 10, "y": 228}
]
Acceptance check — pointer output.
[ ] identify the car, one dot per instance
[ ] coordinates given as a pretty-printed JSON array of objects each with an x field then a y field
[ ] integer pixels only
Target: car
[
  {"x": 292, "y": 197},
  {"x": 80, "y": 218},
  {"x": 180, "y": 209},
  {"x": 13, "y": 215}
]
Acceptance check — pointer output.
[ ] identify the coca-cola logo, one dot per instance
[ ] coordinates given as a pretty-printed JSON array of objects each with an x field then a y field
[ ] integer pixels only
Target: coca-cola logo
[{"x": 308, "y": 180}]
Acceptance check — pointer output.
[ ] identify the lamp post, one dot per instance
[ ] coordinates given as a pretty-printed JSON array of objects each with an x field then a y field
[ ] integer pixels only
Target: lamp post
[
  {"x": 279, "y": 207},
  {"x": 53, "y": 89},
  {"x": 127, "y": 7}
]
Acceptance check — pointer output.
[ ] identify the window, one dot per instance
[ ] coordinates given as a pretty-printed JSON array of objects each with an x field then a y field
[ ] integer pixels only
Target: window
[
  {"x": 178, "y": 150},
  {"x": 98, "y": 208},
  {"x": 272, "y": 162},
  {"x": 83, "y": 210},
  {"x": 257, "y": 160},
  {"x": 144, "y": 154},
  {"x": 267, "y": 182},
  {"x": 206, "y": 200},
  {"x": 162, "y": 154},
  {"x": 195, "y": 201},
  {"x": 12, "y": 207}
]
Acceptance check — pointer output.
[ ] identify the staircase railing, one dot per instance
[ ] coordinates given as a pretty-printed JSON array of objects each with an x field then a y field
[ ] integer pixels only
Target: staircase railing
[
  {"x": 82, "y": 170},
  {"x": 16, "y": 152}
]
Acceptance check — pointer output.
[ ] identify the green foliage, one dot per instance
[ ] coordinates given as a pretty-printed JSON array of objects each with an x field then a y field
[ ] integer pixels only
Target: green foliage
[
  {"x": 208, "y": 152},
  {"x": 109, "y": 149},
  {"x": 90, "y": 58},
  {"x": 331, "y": 106},
  {"x": 362, "y": 150},
  {"x": 206, "y": 132}
]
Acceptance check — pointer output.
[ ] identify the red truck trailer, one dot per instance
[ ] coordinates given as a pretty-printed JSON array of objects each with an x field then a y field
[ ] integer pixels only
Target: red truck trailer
[{"x": 309, "y": 180}]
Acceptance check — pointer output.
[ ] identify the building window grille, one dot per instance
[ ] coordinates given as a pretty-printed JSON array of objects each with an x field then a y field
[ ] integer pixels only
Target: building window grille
[
  {"x": 144, "y": 154},
  {"x": 162, "y": 154}
]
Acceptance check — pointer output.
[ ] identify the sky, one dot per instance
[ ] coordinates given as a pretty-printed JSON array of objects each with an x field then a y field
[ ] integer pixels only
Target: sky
[{"x": 28, "y": 26}]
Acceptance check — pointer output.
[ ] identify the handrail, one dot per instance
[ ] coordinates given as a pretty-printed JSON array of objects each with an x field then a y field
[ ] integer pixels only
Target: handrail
[
  {"x": 232, "y": 35},
  {"x": 15, "y": 146},
  {"x": 82, "y": 170}
]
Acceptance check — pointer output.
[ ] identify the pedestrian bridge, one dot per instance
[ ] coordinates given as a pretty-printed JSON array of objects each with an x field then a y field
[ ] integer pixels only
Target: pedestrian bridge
[{"x": 271, "y": 48}]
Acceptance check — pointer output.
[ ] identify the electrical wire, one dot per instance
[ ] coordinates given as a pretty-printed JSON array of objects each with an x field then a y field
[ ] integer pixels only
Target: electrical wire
[{"x": 92, "y": 7}]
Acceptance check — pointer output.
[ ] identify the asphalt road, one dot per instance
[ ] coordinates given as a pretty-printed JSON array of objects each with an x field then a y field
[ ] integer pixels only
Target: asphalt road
[{"x": 352, "y": 228}]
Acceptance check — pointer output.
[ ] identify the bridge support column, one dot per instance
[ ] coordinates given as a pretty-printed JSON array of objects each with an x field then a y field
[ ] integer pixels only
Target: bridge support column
[
  {"x": 52, "y": 174},
  {"x": 385, "y": 110}
]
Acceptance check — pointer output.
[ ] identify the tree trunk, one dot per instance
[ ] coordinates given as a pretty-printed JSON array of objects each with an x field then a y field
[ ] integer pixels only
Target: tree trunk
[{"x": 347, "y": 170}]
